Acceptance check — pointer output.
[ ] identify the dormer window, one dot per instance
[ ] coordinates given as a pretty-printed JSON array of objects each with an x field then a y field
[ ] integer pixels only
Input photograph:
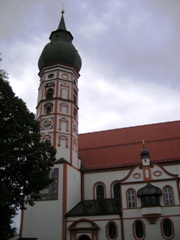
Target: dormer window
[{"x": 149, "y": 195}]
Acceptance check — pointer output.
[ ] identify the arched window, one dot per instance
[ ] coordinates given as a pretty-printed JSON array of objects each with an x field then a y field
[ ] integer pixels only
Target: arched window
[
  {"x": 111, "y": 230},
  {"x": 63, "y": 141},
  {"x": 64, "y": 108},
  {"x": 64, "y": 91},
  {"x": 63, "y": 124},
  {"x": 48, "y": 108},
  {"x": 167, "y": 228},
  {"x": 131, "y": 198},
  {"x": 168, "y": 196},
  {"x": 139, "y": 230},
  {"x": 99, "y": 191},
  {"x": 116, "y": 191},
  {"x": 49, "y": 93}
]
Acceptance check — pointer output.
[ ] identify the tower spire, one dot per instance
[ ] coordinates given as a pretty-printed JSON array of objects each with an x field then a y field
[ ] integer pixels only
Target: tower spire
[
  {"x": 62, "y": 11},
  {"x": 62, "y": 25}
]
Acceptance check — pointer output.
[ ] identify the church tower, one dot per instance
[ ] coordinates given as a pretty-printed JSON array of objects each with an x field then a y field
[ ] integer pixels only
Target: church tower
[
  {"x": 57, "y": 107},
  {"x": 57, "y": 111}
]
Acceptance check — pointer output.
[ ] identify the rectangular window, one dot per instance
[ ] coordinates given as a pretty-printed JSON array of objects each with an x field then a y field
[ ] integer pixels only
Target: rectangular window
[
  {"x": 168, "y": 196},
  {"x": 150, "y": 200},
  {"x": 131, "y": 198}
]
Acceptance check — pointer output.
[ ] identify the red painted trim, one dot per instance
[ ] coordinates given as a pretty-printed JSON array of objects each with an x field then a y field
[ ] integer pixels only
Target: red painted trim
[
  {"x": 55, "y": 110},
  {"x": 99, "y": 220},
  {"x": 147, "y": 168},
  {"x": 82, "y": 186},
  {"x": 122, "y": 214},
  {"x": 64, "y": 201}
]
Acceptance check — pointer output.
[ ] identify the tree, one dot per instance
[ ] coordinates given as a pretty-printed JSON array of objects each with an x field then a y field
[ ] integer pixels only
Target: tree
[{"x": 25, "y": 161}]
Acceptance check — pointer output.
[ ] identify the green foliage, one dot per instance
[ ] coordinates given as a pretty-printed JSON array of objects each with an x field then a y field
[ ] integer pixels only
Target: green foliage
[{"x": 25, "y": 161}]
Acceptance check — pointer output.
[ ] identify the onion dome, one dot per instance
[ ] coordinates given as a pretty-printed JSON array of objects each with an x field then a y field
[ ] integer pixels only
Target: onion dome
[
  {"x": 60, "y": 49},
  {"x": 149, "y": 189},
  {"x": 144, "y": 152}
]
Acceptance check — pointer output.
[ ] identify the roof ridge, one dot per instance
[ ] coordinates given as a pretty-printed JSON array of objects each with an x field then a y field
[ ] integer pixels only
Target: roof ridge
[
  {"x": 135, "y": 126},
  {"x": 126, "y": 144}
]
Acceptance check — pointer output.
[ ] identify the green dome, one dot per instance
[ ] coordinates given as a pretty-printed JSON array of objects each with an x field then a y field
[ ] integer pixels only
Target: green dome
[
  {"x": 60, "y": 50},
  {"x": 144, "y": 153}
]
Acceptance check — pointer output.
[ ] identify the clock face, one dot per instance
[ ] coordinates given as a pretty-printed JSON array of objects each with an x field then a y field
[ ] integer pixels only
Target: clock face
[{"x": 47, "y": 123}]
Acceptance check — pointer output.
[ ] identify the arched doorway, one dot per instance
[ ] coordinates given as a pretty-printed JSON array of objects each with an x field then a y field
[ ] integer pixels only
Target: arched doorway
[
  {"x": 84, "y": 237},
  {"x": 83, "y": 229}
]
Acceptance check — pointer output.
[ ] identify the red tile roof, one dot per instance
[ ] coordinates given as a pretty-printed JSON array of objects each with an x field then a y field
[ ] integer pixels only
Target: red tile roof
[{"x": 121, "y": 147}]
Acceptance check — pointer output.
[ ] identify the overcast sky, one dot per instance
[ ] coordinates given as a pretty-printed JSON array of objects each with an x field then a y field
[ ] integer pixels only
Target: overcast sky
[{"x": 130, "y": 52}]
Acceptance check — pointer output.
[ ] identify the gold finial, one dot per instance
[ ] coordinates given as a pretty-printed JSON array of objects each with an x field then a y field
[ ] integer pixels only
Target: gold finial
[
  {"x": 62, "y": 11},
  {"x": 143, "y": 142}
]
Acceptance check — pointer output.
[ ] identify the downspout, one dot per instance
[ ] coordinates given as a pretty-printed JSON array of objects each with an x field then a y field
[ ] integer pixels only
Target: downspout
[{"x": 121, "y": 215}]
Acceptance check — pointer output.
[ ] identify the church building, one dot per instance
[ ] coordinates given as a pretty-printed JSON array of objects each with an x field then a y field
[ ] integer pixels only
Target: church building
[{"x": 107, "y": 184}]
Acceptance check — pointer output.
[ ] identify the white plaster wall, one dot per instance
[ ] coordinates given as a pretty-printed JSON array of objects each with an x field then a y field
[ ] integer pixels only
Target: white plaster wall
[
  {"x": 75, "y": 160},
  {"x": 132, "y": 213},
  {"x": 41, "y": 220},
  {"x": 63, "y": 151},
  {"x": 106, "y": 177},
  {"x": 73, "y": 187}
]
